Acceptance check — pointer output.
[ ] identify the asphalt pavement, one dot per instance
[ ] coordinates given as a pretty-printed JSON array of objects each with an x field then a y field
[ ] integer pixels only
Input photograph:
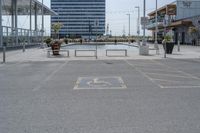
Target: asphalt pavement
[{"x": 100, "y": 96}]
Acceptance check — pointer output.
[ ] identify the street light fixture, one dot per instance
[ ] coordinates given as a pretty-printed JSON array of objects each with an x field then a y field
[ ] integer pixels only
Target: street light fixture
[{"x": 138, "y": 24}]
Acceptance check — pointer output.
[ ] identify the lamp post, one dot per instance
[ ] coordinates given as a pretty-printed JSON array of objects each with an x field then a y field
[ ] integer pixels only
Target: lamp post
[
  {"x": 138, "y": 24},
  {"x": 144, "y": 48},
  {"x": 144, "y": 26},
  {"x": 156, "y": 31},
  {"x": 129, "y": 27},
  {"x": 42, "y": 24}
]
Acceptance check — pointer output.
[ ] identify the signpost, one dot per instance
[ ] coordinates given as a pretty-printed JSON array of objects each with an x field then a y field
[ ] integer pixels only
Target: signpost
[
  {"x": 96, "y": 24},
  {"x": 144, "y": 20}
]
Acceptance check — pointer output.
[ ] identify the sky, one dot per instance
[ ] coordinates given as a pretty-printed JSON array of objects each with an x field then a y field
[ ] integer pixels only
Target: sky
[{"x": 116, "y": 15}]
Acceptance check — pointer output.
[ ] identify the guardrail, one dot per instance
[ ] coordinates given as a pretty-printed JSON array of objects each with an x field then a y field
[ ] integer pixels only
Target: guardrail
[
  {"x": 15, "y": 37},
  {"x": 61, "y": 51},
  {"x": 122, "y": 50},
  {"x": 85, "y": 50}
]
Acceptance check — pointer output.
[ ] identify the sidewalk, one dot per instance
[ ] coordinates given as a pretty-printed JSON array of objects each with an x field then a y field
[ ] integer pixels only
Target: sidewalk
[{"x": 37, "y": 54}]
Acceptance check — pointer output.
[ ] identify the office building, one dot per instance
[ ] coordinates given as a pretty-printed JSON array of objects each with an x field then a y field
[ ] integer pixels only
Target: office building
[{"x": 80, "y": 18}]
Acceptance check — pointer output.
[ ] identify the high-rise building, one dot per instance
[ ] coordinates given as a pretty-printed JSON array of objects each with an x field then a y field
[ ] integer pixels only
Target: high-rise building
[{"x": 80, "y": 18}]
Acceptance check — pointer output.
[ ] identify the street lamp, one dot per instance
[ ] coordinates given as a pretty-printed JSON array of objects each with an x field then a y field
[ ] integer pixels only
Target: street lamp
[
  {"x": 156, "y": 31},
  {"x": 42, "y": 24},
  {"x": 129, "y": 27},
  {"x": 144, "y": 48},
  {"x": 138, "y": 24},
  {"x": 144, "y": 26}
]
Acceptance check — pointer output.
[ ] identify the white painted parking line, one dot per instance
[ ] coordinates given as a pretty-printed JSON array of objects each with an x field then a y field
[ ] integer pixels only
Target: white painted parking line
[
  {"x": 144, "y": 74},
  {"x": 179, "y": 87},
  {"x": 160, "y": 78},
  {"x": 167, "y": 80},
  {"x": 190, "y": 75},
  {"x": 170, "y": 75},
  {"x": 38, "y": 87}
]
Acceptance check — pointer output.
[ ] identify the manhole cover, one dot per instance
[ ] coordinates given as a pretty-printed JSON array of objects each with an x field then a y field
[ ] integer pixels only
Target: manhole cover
[{"x": 100, "y": 83}]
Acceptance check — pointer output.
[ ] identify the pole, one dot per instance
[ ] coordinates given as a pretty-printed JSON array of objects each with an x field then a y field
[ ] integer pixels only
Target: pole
[
  {"x": 165, "y": 47},
  {"x": 144, "y": 14},
  {"x": 129, "y": 27},
  {"x": 1, "y": 27},
  {"x": 1, "y": 34},
  {"x": 16, "y": 22},
  {"x": 30, "y": 22},
  {"x": 156, "y": 31},
  {"x": 96, "y": 23},
  {"x": 178, "y": 42},
  {"x": 138, "y": 25},
  {"x": 42, "y": 46},
  {"x": 59, "y": 22},
  {"x": 12, "y": 22},
  {"x": 96, "y": 44},
  {"x": 36, "y": 28}
]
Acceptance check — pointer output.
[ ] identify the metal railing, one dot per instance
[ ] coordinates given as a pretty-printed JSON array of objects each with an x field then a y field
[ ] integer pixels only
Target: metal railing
[
  {"x": 13, "y": 37},
  {"x": 116, "y": 50}
]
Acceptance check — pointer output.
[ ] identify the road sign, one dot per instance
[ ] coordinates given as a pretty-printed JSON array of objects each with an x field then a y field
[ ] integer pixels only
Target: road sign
[
  {"x": 144, "y": 20},
  {"x": 144, "y": 27}
]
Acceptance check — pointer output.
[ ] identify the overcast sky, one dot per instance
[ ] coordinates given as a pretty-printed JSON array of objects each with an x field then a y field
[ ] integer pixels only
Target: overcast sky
[{"x": 116, "y": 14}]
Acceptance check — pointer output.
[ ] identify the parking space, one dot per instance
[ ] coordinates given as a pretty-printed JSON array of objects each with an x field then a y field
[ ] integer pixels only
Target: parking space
[
  {"x": 100, "y": 96},
  {"x": 166, "y": 76}
]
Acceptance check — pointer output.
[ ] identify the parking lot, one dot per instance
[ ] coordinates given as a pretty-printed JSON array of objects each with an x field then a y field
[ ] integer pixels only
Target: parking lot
[{"x": 100, "y": 96}]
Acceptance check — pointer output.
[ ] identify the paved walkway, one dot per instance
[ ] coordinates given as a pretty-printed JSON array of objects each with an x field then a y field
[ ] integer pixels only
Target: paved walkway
[{"x": 37, "y": 54}]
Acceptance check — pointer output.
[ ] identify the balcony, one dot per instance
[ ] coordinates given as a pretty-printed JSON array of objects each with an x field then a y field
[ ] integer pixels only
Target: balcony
[{"x": 152, "y": 23}]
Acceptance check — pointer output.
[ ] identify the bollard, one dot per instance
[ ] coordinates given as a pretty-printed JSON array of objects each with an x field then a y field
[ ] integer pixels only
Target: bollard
[
  {"x": 24, "y": 48},
  {"x": 178, "y": 46},
  {"x": 165, "y": 52},
  {"x": 4, "y": 54},
  {"x": 96, "y": 52},
  {"x": 48, "y": 54}
]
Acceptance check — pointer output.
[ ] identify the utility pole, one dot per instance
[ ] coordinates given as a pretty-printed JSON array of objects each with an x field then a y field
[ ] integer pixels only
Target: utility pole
[
  {"x": 156, "y": 31},
  {"x": 129, "y": 27},
  {"x": 138, "y": 24}
]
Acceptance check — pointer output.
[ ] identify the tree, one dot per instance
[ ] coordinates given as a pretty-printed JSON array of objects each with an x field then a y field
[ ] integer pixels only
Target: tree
[{"x": 56, "y": 28}]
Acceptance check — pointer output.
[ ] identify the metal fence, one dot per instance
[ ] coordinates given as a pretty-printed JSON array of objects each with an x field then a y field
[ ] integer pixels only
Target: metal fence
[{"x": 13, "y": 37}]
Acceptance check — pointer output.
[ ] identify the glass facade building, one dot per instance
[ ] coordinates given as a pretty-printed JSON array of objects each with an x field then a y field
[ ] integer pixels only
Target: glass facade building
[{"x": 80, "y": 18}]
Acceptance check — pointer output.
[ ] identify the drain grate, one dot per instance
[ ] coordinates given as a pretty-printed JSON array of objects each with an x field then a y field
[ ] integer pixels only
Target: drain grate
[{"x": 100, "y": 83}]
